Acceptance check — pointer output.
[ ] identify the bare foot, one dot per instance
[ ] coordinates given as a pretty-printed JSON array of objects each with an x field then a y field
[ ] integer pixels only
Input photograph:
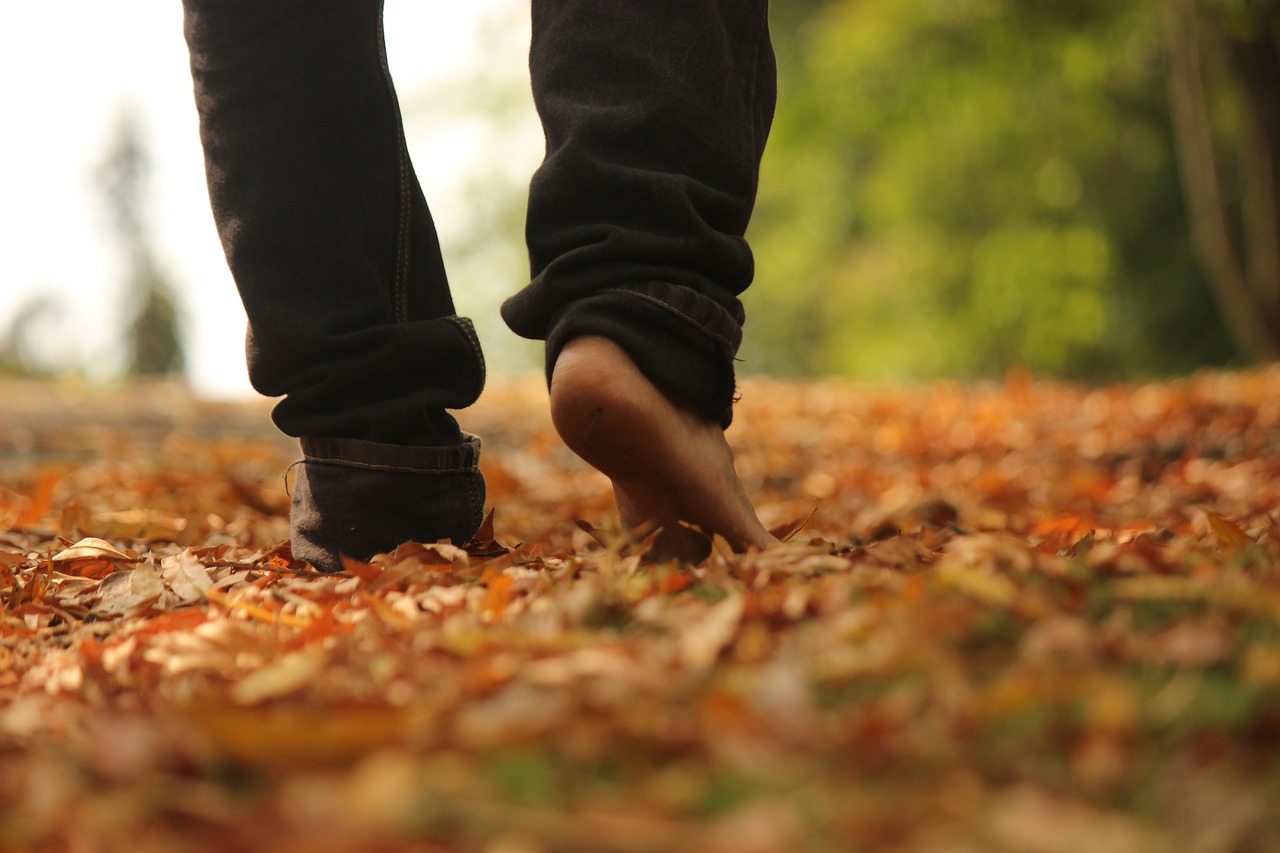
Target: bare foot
[{"x": 668, "y": 463}]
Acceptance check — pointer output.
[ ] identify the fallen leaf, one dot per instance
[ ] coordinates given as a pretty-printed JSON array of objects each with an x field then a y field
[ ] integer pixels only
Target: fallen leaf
[
  {"x": 703, "y": 638},
  {"x": 279, "y": 678},
  {"x": 186, "y": 576},
  {"x": 92, "y": 548},
  {"x": 141, "y": 524},
  {"x": 129, "y": 592},
  {"x": 1231, "y": 539}
]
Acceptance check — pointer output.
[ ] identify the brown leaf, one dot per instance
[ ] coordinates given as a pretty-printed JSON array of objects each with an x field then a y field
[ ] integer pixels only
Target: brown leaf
[
  {"x": 786, "y": 532},
  {"x": 482, "y": 544}
]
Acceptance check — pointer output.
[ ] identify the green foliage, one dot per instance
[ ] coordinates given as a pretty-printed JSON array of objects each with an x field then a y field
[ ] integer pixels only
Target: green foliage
[{"x": 954, "y": 188}]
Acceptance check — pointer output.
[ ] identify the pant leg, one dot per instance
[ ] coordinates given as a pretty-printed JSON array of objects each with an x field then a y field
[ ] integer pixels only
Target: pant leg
[
  {"x": 336, "y": 258},
  {"x": 656, "y": 115},
  {"x": 323, "y": 223}
]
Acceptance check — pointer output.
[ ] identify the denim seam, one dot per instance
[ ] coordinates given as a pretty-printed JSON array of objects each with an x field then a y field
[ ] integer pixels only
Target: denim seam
[
  {"x": 400, "y": 308},
  {"x": 370, "y": 466},
  {"x": 751, "y": 87},
  {"x": 728, "y": 343},
  {"x": 475, "y": 502},
  {"x": 424, "y": 459},
  {"x": 469, "y": 331}
]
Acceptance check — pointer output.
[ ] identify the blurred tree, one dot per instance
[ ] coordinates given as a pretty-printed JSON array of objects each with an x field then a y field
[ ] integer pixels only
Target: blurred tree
[
  {"x": 1224, "y": 88},
  {"x": 35, "y": 318},
  {"x": 954, "y": 187},
  {"x": 154, "y": 343}
]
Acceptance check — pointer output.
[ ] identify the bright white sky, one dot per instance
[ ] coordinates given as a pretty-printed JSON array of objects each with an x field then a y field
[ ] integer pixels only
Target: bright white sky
[{"x": 67, "y": 66}]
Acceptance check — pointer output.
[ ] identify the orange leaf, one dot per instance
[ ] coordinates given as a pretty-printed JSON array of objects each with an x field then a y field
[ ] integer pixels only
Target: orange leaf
[
  {"x": 41, "y": 502},
  {"x": 1067, "y": 526},
  {"x": 365, "y": 572},
  {"x": 498, "y": 595},
  {"x": 675, "y": 582},
  {"x": 262, "y": 614},
  {"x": 299, "y": 736}
]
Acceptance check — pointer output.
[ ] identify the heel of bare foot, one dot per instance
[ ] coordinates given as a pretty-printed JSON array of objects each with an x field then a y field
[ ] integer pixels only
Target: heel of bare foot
[{"x": 668, "y": 464}]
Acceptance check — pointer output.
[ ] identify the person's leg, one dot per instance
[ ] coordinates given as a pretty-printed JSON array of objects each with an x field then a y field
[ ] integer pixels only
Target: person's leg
[
  {"x": 655, "y": 115},
  {"x": 335, "y": 255}
]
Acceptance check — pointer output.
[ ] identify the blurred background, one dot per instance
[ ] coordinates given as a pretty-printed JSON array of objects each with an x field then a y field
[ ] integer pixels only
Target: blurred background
[{"x": 952, "y": 188}]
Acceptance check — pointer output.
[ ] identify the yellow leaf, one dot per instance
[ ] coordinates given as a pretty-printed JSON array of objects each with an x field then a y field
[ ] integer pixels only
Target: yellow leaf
[
  {"x": 1231, "y": 539},
  {"x": 1249, "y": 599},
  {"x": 145, "y": 524},
  {"x": 1262, "y": 664},
  {"x": 281, "y": 734},
  {"x": 976, "y": 582},
  {"x": 260, "y": 613}
]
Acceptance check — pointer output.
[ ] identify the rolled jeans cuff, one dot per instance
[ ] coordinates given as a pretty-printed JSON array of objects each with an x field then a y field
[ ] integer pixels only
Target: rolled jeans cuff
[
  {"x": 681, "y": 340},
  {"x": 374, "y": 456},
  {"x": 354, "y": 498}
]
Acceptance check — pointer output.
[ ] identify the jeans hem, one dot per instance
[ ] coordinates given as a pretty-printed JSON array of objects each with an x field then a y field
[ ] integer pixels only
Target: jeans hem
[
  {"x": 704, "y": 314},
  {"x": 375, "y": 456},
  {"x": 680, "y": 340},
  {"x": 468, "y": 329}
]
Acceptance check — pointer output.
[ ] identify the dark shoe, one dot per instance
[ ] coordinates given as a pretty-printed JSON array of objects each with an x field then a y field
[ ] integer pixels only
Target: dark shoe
[{"x": 359, "y": 498}]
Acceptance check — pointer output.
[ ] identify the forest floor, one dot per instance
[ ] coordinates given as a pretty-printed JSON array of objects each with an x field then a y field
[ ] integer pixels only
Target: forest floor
[{"x": 1028, "y": 616}]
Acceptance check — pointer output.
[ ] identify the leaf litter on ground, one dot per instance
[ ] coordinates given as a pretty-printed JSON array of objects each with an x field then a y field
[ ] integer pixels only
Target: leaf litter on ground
[{"x": 1031, "y": 616}]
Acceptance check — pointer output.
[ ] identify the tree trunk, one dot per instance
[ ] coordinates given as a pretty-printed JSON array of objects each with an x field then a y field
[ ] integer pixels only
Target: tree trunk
[{"x": 1243, "y": 268}]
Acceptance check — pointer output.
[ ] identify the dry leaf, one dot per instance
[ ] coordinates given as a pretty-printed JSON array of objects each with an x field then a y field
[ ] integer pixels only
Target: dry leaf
[
  {"x": 278, "y": 678},
  {"x": 186, "y": 576},
  {"x": 92, "y": 548},
  {"x": 129, "y": 592},
  {"x": 1231, "y": 539},
  {"x": 141, "y": 524},
  {"x": 702, "y": 640}
]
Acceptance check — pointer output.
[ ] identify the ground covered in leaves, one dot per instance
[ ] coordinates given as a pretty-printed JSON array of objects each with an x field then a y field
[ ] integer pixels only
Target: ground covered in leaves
[{"x": 1022, "y": 617}]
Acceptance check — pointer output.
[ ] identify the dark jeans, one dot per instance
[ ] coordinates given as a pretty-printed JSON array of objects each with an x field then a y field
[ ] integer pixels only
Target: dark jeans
[{"x": 655, "y": 114}]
